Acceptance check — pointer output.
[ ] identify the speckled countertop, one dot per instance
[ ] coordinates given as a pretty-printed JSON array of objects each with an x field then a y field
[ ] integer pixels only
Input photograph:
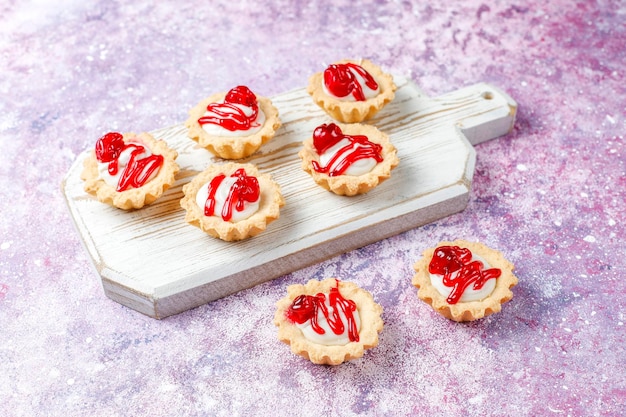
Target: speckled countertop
[{"x": 550, "y": 195}]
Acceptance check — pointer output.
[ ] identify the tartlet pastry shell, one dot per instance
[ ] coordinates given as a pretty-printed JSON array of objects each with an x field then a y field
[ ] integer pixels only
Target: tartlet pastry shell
[
  {"x": 133, "y": 198},
  {"x": 353, "y": 111},
  {"x": 232, "y": 147},
  {"x": 473, "y": 310},
  {"x": 269, "y": 207},
  {"x": 350, "y": 185},
  {"x": 369, "y": 312}
]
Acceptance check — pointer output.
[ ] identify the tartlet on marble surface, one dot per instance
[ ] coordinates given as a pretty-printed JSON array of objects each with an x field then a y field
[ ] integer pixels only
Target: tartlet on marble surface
[
  {"x": 455, "y": 258},
  {"x": 326, "y": 138},
  {"x": 269, "y": 200},
  {"x": 296, "y": 329},
  {"x": 238, "y": 141},
  {"x": 352, "y": 105},
  {"x": 114, "y": 151}
]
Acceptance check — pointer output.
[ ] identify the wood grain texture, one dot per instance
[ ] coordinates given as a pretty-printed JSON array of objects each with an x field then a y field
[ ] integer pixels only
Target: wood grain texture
[{"x": 152, "y": 261}]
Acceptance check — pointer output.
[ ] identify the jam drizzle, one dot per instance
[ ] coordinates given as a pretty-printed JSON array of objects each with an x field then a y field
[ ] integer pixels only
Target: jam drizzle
[
  {"x": 359, "y": 147},
  {"x": 138, "y": 170},
  {"x": 230, "y": 116},
  {"x": 306, "y": 307},
  {"x": 450, "y": 259},
  {"x": 340, "y": 80},
  {"x": 244, "y": 190}
]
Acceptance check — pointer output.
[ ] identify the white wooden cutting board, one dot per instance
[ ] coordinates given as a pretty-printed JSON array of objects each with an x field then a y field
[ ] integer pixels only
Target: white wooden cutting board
[{"x": 152, "y": 261}]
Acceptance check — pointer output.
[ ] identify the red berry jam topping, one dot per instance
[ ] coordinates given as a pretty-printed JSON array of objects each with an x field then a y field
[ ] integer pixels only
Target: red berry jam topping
[
  {"x": 307, "y": 308},
  {"x": 137, "y": 171},
  {"x": 357, "y": 147},
  {"x": 109, "y": 147},
  {"x": 459, "y": 271},
  {"x": 229, "y": 114},
  {"x": 244, "y": 190},
  {"x": 341, "y": 80}
]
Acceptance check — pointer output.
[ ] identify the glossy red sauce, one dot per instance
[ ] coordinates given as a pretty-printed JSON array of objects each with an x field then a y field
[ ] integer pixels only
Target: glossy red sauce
[
  {"x": 228, "y": 115},
  {"x": 359, "y": 147},
  {"x": 448, "y": 260},
  {"x": 341, "y": 81},
  {"x": 138, "y": 170},
  {"x": 307, "y": 308},
  {"x": 244, "y": 190}
]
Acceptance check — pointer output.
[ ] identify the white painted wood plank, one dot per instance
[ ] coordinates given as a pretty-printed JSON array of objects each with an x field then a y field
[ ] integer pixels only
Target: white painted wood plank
[{"x": 152, "y": 261}]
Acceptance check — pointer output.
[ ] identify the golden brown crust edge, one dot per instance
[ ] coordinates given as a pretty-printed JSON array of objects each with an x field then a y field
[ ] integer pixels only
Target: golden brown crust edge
[
  {"x": 369, "y": 312},
  {"x": 269, "y": 209},
  {"x": 133, "y": 198},
  {"x": 353, "y": 111},
  {"x": 473, "y": 310},
  {"x": 235, "y": 147},
  {"x": 350, "y": 185}
]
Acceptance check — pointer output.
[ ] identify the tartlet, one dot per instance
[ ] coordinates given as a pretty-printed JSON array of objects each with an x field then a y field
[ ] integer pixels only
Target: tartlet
[
  {"x": 351, "y": 91},
  {"x": 464, "y": 281},
  {"x": 348, "y": 159},
  {"x": 233, "y": 124},
  {"x": 305, "y": 323},
  {"x": 232, "y": 201},
  {"x": 129, "y": 171}
]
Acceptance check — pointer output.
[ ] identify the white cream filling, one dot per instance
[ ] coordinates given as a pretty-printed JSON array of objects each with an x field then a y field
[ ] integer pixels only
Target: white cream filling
[
  {"x": 329, "y": 338},
  {"x": 367, "y": 92},
  {"x": 220, "y": 198},
  {"x": 360, "y": 167},
  {"x": 122, "y": 162},
  {"x": 217, "y": 130},
  {"x": 470, "y": 294}
]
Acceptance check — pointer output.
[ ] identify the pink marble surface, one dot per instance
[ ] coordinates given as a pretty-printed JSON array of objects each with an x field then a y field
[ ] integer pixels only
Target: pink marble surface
[{"x": 550, "y": 195}]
